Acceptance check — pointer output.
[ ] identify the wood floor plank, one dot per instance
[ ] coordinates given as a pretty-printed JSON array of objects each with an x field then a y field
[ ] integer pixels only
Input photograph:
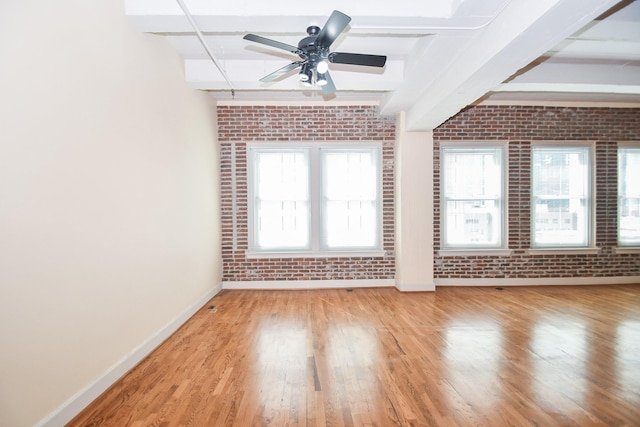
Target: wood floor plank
[{"x": 521, "y": 356}]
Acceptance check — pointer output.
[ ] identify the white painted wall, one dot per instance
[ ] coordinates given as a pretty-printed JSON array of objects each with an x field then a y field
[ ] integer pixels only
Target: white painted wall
[
  {"x": 109, "y": 223},
  {"x": 414, "y": 209}
]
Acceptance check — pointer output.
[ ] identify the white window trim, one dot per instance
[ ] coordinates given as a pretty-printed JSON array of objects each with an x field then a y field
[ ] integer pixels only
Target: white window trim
[
  {"x": 461, "y": 250},
  {"x": 624, "y": 249},
  {"x": 320, "y": 192},
  {"x": 315, "y": 254},
  {"x": 569, "y": 249},
  {"x": 627, "y": 250},
  {"x": 475, "y": 252},
  {"x": 315, "y": 184},
  {"x": 251, "y": 196},
  {"x": 563, "y": 251}
]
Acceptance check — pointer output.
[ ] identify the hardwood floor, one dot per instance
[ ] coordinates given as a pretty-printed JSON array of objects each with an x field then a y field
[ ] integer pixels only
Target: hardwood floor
[{"x": 522, "y": 356}]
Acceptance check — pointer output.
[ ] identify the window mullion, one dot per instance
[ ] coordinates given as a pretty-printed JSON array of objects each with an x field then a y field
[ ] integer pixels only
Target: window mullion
[
  {"x": 629, "y": 196},
  {"x": 315, "y": 199}
]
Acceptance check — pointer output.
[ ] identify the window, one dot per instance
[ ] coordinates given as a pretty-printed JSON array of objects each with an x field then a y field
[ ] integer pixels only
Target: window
[
  {"x": 473, "y": 197},
  {"x": 349, "y": 198},
  {"x": 281, "y": 199},
  {"x": 561, "y": 196},
  {"x": 629, "y": 196},
  {"x": 315, "y": 198}
]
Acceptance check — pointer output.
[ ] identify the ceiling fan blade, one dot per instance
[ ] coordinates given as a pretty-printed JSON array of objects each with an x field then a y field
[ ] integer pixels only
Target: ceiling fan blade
[
  {"x": 334, "y": 26},
  {"x": 272, "y": 43},
  {"x": 280, "y": 72},
  {"x": 328, "y": 88},
  {"x": 357, "y": 59}
]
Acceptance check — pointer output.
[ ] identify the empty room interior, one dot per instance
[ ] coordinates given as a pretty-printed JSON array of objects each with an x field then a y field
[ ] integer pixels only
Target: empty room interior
[{"x": 343, "y": 213}]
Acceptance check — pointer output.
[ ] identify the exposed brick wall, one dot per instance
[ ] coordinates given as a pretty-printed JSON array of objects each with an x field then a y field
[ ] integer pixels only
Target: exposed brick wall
[
  {"x": 238, "y": 125},
  {"x": 521, "y": 126}
]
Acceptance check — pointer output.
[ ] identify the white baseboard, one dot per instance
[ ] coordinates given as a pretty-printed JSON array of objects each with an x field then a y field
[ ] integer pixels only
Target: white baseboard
[
  {"x": 309, "y": 284},
  {"x": 83, "y": 398},
  {"x": 415, "y": 287},
  {"x": 547, "y": 281}
]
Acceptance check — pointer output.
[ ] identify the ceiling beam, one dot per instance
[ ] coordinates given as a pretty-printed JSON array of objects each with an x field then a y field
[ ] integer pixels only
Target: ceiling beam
[
  {"x": 568, "y": 88},
  {"x": 202, "y": 74},
  {"x": 433, "y": 9},
  {"x": 522, "y": 32}
]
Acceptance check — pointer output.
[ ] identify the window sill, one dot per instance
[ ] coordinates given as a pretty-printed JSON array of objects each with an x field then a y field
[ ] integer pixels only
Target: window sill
[
  {"x": 336, "y": 254},
  {"x": 475, "y": 252},
  {"x": 564, "y": 251},
  {"x": 627, "y": 250}
]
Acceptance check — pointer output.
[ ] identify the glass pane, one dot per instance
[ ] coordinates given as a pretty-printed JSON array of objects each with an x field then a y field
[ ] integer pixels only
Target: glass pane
[
  {"x": 472, "y": 173},
  {"x": 472, "y": 193},
  {"x": 560, "y": 173},
  {"x": 351, "y": 224},
  {"x": 561, "y": 196},
  {"x": 282, "y": 225},
  {"x": 350, "y": 198},
  {"x": 281, "y": 199},
  {"x": 282, "y": 175},
  {"x": 473, "y": 223},
  {"x": 629, "y": 196},
  {"x": 350, "y": 175}
]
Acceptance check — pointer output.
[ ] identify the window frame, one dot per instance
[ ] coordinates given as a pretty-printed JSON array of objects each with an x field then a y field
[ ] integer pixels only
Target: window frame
[
  {"x": 466, "y": 249},
  {"x": 252, "y": 196},
  {"x": 316, "y": 247},
  {"x": 589, "y": 200},
  {"x": 623, "y": 146}
]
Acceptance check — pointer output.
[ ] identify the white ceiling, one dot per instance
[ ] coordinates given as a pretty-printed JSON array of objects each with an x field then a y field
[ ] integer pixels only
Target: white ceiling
[{"x": 442, "y": 55}]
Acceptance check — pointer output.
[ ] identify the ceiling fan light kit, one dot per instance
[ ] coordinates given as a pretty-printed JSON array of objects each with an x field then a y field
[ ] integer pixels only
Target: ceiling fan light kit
[
  {"x": 322, "y": 67},
  {"x": 321, "y": 79},
  {"x": 306, "y": 73},
  {"x": 314, "y": 52}
]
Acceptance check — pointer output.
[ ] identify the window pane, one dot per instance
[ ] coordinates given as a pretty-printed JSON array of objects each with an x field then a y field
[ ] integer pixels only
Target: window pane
[
  {"x": 281, "y": 191},
  {"x": 351, "y": 223},
  {"x": 472, "y": 193},
  {"x": 473, "y": 174},
  {"x": 350, "y": 202},
  {"x": 473, "y": 222},
  {"x": 629, "y": 196},
  {"x": 282, "y": 225},
  {"x": 561, "y": 196}
]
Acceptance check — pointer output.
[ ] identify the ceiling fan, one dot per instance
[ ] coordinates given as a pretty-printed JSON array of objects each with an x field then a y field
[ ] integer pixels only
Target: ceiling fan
[{"x": 314, "y": 51}]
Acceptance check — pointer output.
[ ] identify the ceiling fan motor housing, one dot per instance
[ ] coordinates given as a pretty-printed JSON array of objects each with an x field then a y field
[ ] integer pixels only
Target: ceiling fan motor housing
[{"x": 309, "y": 49}]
